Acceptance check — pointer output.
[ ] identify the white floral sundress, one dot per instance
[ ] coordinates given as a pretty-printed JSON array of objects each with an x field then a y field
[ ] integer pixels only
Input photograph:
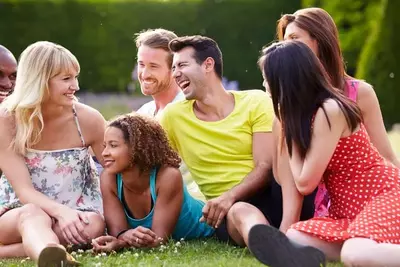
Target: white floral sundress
[{"x": 67, "y": 176}]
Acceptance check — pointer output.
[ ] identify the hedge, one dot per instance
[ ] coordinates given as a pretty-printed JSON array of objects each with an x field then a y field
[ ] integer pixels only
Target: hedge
[{"x": 100, "y": 33}]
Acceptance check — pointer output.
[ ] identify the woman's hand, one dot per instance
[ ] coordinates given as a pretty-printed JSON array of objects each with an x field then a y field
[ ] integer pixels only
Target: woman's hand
[
  {"x": 140, "y": 237},
  {"x": 72, "y": 225},
  {"x": 107, "y": 243}
]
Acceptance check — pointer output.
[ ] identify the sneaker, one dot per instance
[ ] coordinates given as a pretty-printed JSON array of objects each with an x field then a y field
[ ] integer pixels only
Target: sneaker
[
  {"x": 56, "y": 256},
  {"x": 271, "y": 247}
]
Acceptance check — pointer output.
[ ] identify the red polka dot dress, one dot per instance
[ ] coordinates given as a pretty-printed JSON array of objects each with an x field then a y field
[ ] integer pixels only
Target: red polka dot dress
[{"x": 365, "y": 195}]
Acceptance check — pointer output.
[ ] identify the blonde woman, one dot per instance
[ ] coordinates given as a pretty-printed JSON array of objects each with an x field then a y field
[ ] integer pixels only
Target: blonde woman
[{"x": 49, "y": 191}]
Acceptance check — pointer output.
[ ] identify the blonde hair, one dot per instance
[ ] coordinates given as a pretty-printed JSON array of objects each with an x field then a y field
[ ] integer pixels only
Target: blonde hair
[{"x": 39, "y": 62}]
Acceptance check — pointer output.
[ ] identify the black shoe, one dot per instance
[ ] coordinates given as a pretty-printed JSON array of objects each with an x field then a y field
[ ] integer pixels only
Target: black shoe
[{"x": 271, "y": 247}]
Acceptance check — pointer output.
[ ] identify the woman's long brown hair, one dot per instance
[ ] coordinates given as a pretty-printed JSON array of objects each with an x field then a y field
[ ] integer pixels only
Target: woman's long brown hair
[{"x": 321, "y": 27}]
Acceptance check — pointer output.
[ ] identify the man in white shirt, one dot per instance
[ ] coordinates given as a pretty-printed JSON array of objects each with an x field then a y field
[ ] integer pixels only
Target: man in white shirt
[{"x": 154, "y": 61}]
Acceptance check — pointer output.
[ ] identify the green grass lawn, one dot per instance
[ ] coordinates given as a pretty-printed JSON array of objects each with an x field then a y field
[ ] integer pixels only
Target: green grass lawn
[{"x": 208, "y": 253}]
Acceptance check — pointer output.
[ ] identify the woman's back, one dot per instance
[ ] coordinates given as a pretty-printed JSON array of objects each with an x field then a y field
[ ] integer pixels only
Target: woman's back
[{"x": 357, "y": 171}]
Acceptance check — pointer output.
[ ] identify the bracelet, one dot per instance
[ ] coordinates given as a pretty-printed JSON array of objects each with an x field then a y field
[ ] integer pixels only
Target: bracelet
[{"x": 121, "y": 232}]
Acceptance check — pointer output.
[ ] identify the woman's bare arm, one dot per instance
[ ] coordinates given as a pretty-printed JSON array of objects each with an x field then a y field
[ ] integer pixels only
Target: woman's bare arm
[
  {"x": 14, "y": 168},
  {"x": 373, "y": 121},
  {"x": 169, "y": 201},
  {"x": 113, "y": 210}
]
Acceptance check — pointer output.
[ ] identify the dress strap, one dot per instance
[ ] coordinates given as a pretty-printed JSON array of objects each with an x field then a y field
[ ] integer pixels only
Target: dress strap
[
  {"x": 153, "y": 177},
  {"x": 78, "y": 126},
  {"x": 352, "y": 89}
]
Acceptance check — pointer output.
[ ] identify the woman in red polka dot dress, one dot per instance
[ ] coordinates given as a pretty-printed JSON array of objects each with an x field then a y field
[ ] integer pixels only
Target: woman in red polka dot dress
[{"x": 326, "y": 139}]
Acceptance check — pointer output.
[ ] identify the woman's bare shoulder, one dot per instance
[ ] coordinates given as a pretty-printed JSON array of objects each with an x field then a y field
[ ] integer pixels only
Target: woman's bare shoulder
[
  {"x": 90, "y": 119},
  {"x": 7, "y": 127},
  {"x": 169, "y": 178},
  {"x": 365, "y": 91},
  {"x": 88, "y": 114},
  {"x": 7, "y": 120}
]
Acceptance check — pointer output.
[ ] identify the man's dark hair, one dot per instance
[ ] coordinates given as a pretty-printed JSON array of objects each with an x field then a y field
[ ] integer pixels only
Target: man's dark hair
[{"x": 204, "y": 47}]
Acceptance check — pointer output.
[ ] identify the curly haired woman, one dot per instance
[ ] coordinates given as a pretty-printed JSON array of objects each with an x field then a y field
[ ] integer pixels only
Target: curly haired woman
[{"x": 145, "y": 201}]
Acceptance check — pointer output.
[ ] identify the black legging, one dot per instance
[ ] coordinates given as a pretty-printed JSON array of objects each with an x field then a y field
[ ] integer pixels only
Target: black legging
[{"x": 270, "y": 203}]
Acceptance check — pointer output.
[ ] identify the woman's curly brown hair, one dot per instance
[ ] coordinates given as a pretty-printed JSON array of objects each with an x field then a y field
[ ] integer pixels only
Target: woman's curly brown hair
[{"x": 147, "y": 141}]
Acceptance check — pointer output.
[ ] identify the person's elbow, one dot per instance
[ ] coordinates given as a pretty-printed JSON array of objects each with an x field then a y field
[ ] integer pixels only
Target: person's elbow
[
  {"x": 264, "y": 167},
  {"x": 304, "y": 186}
]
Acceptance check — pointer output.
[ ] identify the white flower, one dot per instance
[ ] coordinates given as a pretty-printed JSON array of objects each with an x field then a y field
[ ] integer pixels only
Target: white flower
[
  {"x": 136, "y": 255},
  {"x": 178, "y": 244},
  {"x": 104, "y": 254},
  {"x": 182, "y": 239},
  {"x": 98, "y": 264},
  {"x": 80, "y": 251}
]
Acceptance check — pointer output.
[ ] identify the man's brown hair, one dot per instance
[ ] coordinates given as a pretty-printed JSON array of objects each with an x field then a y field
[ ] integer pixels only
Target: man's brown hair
[{"x": 156, "y": 39}]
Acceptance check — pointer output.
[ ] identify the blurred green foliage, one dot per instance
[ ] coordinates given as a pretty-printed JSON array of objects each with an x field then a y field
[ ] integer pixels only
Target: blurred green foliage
[
  {"x": 354, "y": 20},
  {"x": 368, "y": 39},
  {"x": 100, "y": 33},
  {"x": 380, "y": 59}
]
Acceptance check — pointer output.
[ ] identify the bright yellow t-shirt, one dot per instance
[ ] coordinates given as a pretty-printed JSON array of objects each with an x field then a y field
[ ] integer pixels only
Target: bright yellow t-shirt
[{"x": 218, "y": 154}]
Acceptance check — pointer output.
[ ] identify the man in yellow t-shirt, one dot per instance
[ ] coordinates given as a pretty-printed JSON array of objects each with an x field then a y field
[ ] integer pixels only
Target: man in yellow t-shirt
[
  {"x": 154, "y": 63},
  {"x": 223, "y": 137}
]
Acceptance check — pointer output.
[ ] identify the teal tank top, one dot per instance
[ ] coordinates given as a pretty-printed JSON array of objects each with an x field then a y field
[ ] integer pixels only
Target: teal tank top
[{"x": 188, "y": 225}]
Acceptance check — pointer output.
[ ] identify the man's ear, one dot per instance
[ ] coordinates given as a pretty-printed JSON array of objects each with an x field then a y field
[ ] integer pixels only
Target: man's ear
[{"x": 209, "y": 64}]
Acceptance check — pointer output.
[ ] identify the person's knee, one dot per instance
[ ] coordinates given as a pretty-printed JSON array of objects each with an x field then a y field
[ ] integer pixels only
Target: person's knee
[
  {"x": 96, "y": 226},
  {"x": 352, "y": 254},
  {"x": 29, "y": 211},
  {"x": 241, "y": 211},
  {"x": 295, "y": 235}
]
